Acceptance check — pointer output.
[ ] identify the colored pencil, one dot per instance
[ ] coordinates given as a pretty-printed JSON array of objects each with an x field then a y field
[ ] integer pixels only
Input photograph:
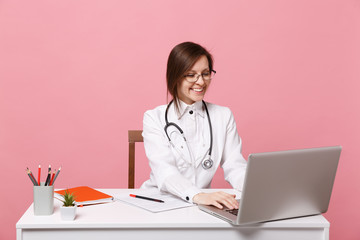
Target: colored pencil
[
  {"x": 52, "y": 177},
  {"x": 39, "y": 173},
  {"x": 30, "y": 176},
  {"x": 56, "y": 175},
  {"x": 146, "y": 198},
  {"x": 48, "y": 176}
]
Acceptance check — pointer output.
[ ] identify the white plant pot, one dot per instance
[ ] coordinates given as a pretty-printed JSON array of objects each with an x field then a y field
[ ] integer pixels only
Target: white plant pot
[{"x": 68, "y": 213}]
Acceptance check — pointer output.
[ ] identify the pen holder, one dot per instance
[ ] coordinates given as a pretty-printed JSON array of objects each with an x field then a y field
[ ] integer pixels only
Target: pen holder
[{"x": 43, "y": 199}]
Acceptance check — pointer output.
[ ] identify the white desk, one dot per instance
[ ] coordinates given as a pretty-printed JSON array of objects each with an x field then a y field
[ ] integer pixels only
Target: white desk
[{"x": 121, "y": 221}]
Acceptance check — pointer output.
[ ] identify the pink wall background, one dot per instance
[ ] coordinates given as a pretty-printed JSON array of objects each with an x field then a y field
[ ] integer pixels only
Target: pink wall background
[{"x": 76, "y": 75}]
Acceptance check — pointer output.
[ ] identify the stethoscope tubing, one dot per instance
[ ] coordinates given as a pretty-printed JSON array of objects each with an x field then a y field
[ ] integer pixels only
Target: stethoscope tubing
[
  {"x": 206, "y": 163},
  {"x": 210, "y": 127}
]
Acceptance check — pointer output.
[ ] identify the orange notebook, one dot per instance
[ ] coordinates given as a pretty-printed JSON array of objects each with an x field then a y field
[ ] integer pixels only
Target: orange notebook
[{"x": 85, "y": 195}]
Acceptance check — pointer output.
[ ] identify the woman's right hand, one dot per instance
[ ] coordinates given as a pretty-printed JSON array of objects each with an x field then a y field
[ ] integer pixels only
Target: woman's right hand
[{"x": 217, "y": 199}]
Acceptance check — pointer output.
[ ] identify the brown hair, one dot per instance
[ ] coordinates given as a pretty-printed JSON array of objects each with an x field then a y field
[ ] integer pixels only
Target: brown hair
[{"x": 182, "y": 57}]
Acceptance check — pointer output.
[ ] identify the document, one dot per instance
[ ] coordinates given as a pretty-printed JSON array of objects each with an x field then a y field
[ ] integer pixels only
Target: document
[{"x": 170, "y": 201}]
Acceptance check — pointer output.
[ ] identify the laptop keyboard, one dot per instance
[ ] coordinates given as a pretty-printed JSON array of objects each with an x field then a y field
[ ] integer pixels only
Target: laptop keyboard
[{"x": 233, "y": 211}]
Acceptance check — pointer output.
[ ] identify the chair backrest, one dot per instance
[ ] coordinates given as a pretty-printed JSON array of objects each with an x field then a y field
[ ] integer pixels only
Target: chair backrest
[{"x": 133, "y": 137}]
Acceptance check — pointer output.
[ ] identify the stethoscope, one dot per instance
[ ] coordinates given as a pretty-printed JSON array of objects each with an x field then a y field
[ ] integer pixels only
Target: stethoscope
[{"x": 207, "y": 163}]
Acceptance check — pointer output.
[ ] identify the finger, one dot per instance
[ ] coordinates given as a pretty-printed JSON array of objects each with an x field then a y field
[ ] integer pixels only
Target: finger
[
  {"x": 235, "y": 204},
  {"x": 228, "y": 204},
  {"x": 229, "y": 201},
  {"x": 218, "y": 205}
]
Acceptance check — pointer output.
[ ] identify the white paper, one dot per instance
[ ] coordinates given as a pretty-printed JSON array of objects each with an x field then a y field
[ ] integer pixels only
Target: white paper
[{"x": 170, "y": 201}]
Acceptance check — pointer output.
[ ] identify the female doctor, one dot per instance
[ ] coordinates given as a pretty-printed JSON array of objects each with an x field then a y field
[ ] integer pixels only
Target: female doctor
[{"x": 188, "y": 139}]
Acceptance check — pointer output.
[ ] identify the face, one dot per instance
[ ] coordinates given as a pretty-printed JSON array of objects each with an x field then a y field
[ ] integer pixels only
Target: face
[{"x": 193, "y": 92}]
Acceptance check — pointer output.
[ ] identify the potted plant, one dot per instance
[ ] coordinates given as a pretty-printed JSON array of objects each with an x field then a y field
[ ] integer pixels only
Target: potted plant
[{"x": 68, "y": 210}]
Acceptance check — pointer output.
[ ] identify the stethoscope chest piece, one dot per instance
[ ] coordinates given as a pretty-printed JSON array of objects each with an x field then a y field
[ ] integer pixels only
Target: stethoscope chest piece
[{"x": 207, "y": 163}]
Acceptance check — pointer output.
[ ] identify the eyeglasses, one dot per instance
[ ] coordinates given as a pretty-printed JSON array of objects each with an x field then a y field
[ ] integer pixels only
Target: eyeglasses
[{"x": 206, "y": 76}]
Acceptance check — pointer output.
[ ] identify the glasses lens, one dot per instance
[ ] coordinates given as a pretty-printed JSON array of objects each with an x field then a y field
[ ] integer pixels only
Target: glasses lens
[
  {"x": 191, "y": 77},
  {"x": 207, "y": 76}
]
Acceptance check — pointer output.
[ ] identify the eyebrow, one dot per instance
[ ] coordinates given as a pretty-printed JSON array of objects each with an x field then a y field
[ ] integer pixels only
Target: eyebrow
[{"x": 193, "y": 71}]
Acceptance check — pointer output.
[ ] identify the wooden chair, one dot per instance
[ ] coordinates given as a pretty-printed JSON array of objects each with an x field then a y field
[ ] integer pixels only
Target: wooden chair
[{"x": 134, "y": 136}]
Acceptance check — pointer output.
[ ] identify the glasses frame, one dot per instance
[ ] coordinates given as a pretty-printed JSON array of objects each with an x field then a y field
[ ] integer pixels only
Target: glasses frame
[{"x": 198, "y": 77}]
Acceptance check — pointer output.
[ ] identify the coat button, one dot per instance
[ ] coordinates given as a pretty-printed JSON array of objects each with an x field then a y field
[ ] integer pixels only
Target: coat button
[
  {"x": 187, "y": 198},
  {"x": 191, "y": 112}
]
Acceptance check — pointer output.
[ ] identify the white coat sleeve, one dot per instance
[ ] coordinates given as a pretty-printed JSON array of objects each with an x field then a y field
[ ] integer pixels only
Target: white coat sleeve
[
  {"x": 233, "y": 162},
  {"x": 162, "y": 161}
]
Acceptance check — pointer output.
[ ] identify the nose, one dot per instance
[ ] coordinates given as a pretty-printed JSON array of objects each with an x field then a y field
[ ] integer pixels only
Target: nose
[{"x": 200, "y": 81}]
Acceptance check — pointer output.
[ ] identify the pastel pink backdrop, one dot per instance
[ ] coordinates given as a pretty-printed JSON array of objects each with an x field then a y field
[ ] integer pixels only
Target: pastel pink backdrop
[{"x": 76, "y": 75}]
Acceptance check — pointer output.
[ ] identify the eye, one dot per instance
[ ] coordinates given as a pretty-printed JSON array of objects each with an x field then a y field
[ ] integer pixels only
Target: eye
[
  {"x": 205, "y": 74},
  {"x": 190, "y": 75}
]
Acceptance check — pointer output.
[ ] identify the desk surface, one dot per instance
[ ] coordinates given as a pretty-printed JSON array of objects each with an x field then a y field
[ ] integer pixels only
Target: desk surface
[
  {"x": 117, "y": 220},
  {"x": 118, "y": 214}
]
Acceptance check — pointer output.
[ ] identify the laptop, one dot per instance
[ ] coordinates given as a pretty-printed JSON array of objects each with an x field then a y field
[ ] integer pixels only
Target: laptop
[{"x": 286, "y": 184}]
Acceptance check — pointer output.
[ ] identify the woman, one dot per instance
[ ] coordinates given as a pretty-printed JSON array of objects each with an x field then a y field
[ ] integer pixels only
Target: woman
[{"x": 184, "y": 163}]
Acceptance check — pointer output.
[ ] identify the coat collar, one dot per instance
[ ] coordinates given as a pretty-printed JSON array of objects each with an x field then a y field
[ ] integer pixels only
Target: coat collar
[{"x": 197, "y": 107}]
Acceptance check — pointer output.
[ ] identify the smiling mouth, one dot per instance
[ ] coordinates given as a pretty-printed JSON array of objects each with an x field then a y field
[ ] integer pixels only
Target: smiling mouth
[{"x": 198, "y": 90}]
